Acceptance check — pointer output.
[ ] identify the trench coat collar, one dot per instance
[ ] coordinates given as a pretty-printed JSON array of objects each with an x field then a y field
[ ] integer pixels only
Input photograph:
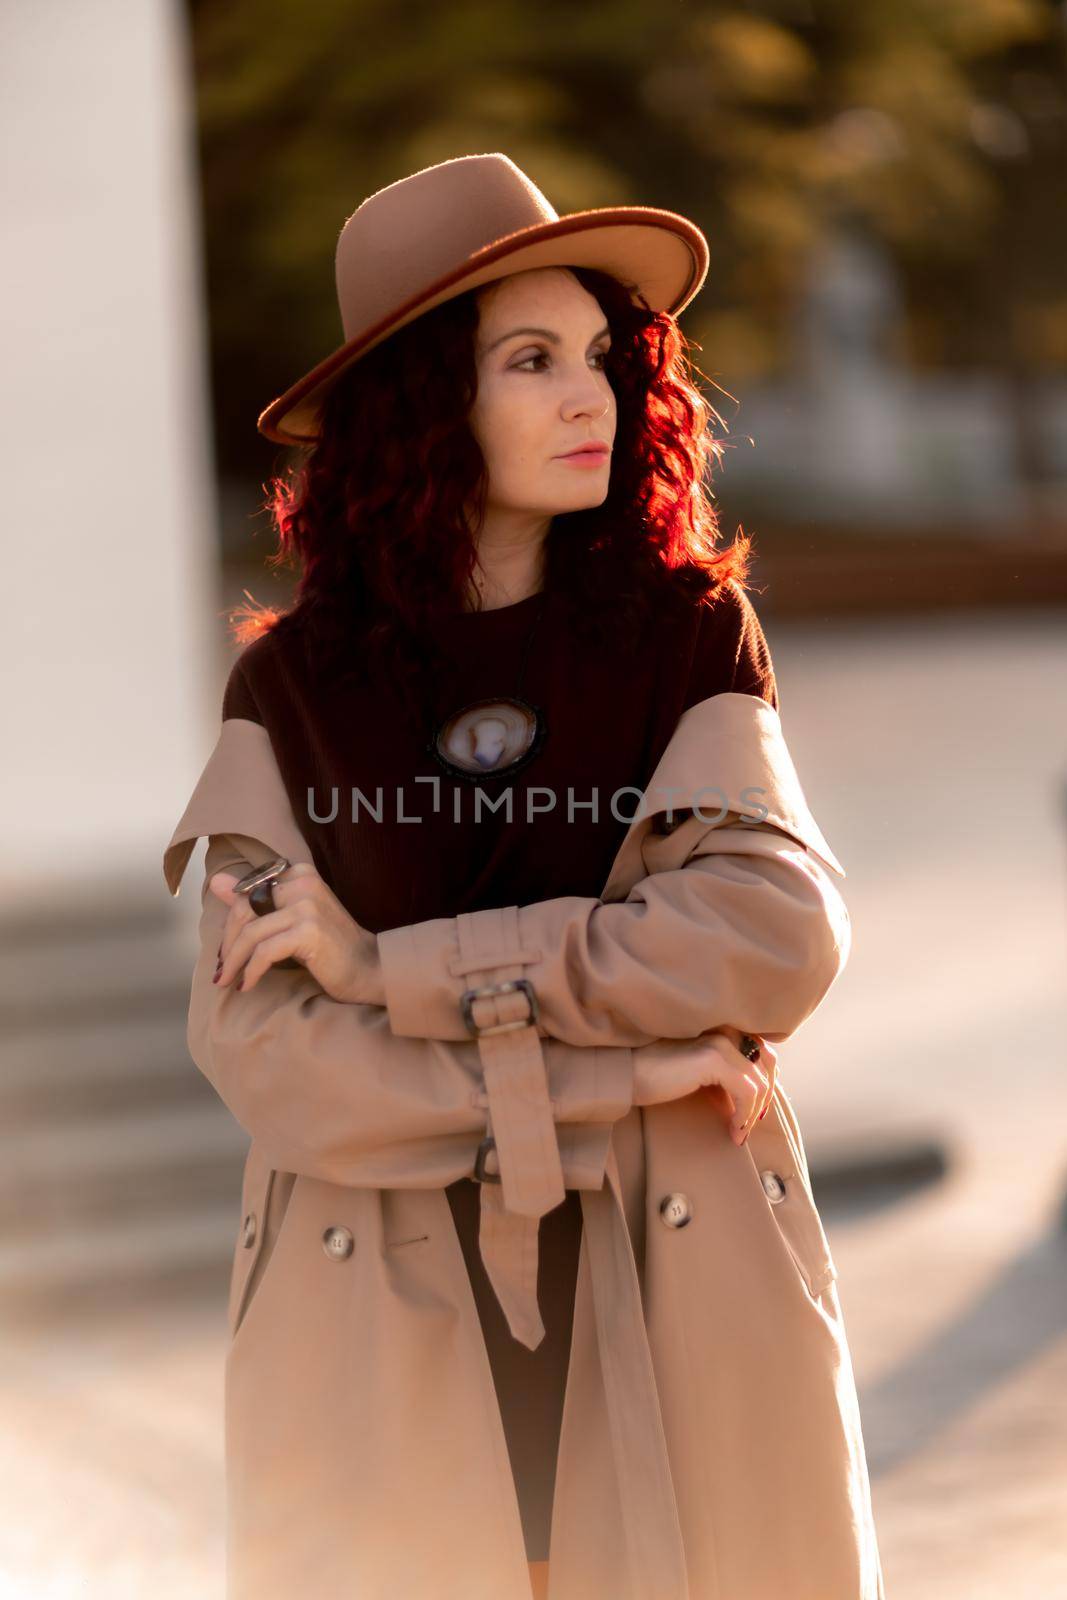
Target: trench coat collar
[{"x": 728, "y": 752}]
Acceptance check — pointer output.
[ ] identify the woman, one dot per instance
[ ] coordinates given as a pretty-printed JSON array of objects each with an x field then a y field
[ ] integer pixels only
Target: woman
[{"x": 512, "y": 613}]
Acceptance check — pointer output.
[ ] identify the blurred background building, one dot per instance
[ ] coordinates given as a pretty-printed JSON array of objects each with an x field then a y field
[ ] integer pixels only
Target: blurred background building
[{"x": 883, "y": 334}]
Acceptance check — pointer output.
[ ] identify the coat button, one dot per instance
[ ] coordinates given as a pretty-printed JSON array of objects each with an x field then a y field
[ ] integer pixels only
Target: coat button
[
  {"x": 249, "y": 1226},
  {"x": 773, "y": 1187},
  {"x": 338, "y": 1243},
  {"x": 676, "y": 1210}
]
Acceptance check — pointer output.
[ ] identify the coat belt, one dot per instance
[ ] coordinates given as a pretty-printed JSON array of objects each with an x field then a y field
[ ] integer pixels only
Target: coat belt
[
  {"x": 531, "y": 1182},
  {"x": 520, "y": 1118}
]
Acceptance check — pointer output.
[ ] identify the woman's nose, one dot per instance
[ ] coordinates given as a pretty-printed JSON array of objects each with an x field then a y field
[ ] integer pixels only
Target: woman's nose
[{"x": 588, "y": 398}]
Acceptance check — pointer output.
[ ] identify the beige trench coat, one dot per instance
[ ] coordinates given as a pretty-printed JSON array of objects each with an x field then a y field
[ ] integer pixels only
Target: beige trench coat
[{"x": 711, "y": 1445}]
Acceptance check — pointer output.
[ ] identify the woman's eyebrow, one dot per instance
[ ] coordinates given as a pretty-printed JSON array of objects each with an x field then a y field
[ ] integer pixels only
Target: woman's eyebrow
[{"x": 544, "y": 333}]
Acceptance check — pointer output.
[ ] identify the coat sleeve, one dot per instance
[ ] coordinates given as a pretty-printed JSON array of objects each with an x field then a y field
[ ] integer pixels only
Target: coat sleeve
[
  {"x": 710, "y": 918},
  {"x": 750, "y": 932},
  {"x": 327, "y": 1087}
]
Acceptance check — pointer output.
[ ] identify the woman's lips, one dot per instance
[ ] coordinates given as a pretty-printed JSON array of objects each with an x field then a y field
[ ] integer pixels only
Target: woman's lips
[{"x": 587, "y": 458}]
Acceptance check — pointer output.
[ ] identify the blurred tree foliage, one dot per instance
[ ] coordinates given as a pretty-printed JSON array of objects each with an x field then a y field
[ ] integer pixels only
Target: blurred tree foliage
[{"x": 938, "y": 125}]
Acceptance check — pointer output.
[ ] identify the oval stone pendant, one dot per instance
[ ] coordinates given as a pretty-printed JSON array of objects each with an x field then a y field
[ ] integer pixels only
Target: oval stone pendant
[{"x": 488, "y": 738}]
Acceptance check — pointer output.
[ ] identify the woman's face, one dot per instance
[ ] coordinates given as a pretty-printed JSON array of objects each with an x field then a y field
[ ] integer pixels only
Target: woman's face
[{"x": 541, "y": 347}]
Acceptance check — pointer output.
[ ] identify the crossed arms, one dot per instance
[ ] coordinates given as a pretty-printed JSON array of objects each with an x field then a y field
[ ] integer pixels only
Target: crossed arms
[{"x": 749, "y": 932}]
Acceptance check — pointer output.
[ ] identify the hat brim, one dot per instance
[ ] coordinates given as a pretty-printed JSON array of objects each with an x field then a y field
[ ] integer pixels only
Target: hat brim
[{"x": 663, "y": 254}]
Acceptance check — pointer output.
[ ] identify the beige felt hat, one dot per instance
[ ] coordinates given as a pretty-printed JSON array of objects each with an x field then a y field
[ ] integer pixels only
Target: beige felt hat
[{"x": 431, "y": 236}]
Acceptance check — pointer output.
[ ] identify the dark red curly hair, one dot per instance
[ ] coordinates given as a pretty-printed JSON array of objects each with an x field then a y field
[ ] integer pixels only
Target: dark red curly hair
[{"x": 374, "y": 520}]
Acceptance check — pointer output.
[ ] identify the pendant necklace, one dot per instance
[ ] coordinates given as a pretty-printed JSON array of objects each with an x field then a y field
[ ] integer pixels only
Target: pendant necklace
[{"x": 494, "y": 737}]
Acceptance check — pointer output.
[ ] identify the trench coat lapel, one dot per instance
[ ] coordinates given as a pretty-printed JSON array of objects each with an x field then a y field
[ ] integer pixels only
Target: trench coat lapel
[
  {"x": 240, "y": 791},
  {"x": 727, "y": 753}
]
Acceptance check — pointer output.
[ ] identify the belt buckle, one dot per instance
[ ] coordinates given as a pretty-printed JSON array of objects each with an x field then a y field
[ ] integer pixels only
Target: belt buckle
[
  {"x": 510, "y": 986},
  {"x": 481, "y": 1175}
]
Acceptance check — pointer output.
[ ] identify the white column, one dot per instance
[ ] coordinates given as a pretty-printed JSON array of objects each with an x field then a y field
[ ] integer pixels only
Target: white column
[{"x": 109, "y": 550}]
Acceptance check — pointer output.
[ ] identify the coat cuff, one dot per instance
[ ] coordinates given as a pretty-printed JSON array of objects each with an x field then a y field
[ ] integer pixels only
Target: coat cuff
[
  {"x": 422, "y": 999},
  {"x": 590, "y": 1085}
]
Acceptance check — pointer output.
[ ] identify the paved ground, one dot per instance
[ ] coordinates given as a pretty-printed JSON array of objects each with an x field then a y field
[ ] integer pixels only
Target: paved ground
[
  {"x": 947, "y": 806},
  {"x": 936, "y": 766}
]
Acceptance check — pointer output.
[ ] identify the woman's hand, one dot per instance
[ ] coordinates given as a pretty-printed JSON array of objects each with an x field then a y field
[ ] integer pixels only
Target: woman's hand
[
  {"x": 673, "y": 1068},
  {"x": 308, "y": 922}
]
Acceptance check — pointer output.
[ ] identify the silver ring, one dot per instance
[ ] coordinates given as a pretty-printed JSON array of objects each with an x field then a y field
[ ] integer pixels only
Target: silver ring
[{"x": 258, "y": 885}]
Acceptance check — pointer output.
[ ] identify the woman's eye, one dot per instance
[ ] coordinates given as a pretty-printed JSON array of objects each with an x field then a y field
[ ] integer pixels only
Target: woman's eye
[{"x": 598, "y": 355}]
